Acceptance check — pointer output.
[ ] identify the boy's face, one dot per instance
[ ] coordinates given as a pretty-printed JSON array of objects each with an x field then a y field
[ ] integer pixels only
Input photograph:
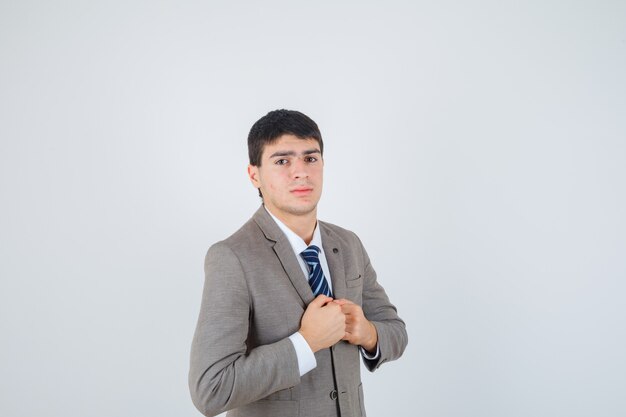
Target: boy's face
[{"x": 290, "y": 176}]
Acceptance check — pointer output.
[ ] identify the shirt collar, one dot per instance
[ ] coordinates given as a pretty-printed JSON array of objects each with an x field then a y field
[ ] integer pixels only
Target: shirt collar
[{"x": 297, "y": 243}]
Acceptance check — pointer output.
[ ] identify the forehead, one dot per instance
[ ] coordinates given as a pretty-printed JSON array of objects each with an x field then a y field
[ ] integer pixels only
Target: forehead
[{"x": 290, "y": 143}]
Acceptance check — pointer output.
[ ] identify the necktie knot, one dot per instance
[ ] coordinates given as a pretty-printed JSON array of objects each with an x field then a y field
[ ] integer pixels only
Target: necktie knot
[{"x": 311, "y": 256}]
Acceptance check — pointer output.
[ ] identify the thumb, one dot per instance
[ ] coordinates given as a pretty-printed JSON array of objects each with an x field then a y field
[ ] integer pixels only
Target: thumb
[{"x": 320, "y": 300}]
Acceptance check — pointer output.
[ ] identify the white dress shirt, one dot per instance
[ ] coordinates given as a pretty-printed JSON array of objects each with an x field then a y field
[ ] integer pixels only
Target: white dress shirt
[{"x": 306, "y": 357}]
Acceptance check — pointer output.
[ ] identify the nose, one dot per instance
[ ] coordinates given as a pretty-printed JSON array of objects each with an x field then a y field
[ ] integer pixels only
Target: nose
[{"x": 299, "y": 169}]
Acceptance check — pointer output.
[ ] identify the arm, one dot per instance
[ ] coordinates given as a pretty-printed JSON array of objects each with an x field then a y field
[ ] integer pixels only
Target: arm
[
  {"x": 374, "y": 326},
  {"x": 390, "y": 329},
  {"x": 224, "y": 374}
]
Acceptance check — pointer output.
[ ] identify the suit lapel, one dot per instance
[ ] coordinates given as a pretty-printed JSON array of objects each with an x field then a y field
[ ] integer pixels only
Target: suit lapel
[
  {"x": 287, "y": 258},
  {"x": 334, "y": 258},
  {"x": 285, "y": 254}
]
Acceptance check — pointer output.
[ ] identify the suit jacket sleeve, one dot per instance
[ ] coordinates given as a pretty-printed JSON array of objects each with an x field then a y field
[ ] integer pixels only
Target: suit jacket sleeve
[
  {"x": 392, "y": 336},
  {"x": 224, "y": 372}
]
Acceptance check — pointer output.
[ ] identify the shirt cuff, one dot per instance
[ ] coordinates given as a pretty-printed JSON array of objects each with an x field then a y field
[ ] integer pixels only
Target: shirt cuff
[
  {"x": 306, "y": 357},
  {"x": 369, "y": 356}
]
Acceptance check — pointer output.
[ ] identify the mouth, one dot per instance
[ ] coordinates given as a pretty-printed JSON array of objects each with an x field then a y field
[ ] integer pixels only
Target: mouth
[{"x": 301, "y": 191}]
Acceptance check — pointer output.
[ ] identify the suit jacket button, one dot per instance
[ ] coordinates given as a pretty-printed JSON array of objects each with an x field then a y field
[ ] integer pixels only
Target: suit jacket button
[{"x": 333, "y": 395}]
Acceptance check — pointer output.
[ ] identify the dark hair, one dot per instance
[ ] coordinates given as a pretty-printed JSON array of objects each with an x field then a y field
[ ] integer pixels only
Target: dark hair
[{"x": 277, "y": 123}]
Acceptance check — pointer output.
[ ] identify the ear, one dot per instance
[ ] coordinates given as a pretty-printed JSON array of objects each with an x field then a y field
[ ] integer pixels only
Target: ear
[{"x": 253, "y": 174}]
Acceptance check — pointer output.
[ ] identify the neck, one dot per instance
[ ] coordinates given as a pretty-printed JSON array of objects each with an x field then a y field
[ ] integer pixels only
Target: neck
[{"x": 301, "y": 224}]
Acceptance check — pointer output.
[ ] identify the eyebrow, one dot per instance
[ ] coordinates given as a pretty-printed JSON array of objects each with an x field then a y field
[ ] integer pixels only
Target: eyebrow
[{"x": 292, "y": 153}]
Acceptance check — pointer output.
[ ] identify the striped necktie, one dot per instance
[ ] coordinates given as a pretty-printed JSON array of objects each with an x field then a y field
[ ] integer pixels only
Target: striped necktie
[{"x": 317, "y": 281}]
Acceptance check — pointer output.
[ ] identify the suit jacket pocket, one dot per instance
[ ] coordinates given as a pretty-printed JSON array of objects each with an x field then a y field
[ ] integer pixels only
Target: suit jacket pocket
[
  {"x": 267, "y": 408},
  {"x": 354, "y": 282},
  {"x": 282, "y": 395},
  {"x": 354, "y": 289}
]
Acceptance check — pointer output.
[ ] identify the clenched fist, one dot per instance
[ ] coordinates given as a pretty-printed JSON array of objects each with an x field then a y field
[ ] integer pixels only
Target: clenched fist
[
  {"x": 323, "y": 323},
  {"x": 359, "y": 330}
]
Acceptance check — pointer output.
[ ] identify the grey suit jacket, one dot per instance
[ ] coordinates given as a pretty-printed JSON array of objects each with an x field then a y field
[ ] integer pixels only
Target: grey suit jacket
[{"x": 254, "y": 297}]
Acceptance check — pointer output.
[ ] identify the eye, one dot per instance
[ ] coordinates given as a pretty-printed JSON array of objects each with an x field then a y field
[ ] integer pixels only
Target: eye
[
  {"x": 281, "y": 162},
  {"x": 310, "y": 159}
]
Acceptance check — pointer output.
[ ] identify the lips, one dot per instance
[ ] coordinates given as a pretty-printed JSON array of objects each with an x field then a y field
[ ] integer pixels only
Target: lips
[{"x": 301, "y": 191}]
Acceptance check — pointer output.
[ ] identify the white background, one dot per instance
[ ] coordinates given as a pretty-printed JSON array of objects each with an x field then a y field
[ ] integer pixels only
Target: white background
[{"x": 477, "y": 148}]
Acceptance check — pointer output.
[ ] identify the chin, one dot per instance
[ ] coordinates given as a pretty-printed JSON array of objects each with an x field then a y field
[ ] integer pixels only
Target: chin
[{"x": 301, "y": 209}]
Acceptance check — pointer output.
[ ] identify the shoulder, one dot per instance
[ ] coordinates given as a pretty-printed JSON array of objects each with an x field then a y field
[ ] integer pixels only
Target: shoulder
[
  {"x": 341, "y": 231},
  {"x": 244, "y": 240},
  {"x": 346, "y": 236}
]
